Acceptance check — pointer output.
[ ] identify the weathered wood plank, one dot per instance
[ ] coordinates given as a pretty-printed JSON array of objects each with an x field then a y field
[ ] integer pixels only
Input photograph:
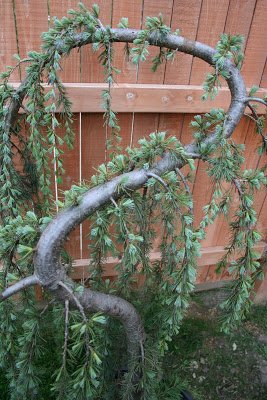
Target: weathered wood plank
[
  {"x": 185, "y": 17},
  {"x": 71, "y": 65},
  {"x": 211, "y": 25},
  {"x": 147, "y": 98},
  {"x": 31, "y": 20},
  {"x": 212, "y": 285}
]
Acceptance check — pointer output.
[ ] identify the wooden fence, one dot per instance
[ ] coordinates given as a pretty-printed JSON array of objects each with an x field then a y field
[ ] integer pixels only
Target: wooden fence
[{"x": 147, "y": 101}]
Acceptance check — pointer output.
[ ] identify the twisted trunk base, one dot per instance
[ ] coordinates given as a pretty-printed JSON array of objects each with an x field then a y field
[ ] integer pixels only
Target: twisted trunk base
[
  {"x": 113, "y": 306},
  {"x": 117, "y": 307}
]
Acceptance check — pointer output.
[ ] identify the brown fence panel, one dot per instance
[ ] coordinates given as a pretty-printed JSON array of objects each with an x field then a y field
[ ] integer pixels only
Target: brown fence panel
[{"x": 22, "y": 23}]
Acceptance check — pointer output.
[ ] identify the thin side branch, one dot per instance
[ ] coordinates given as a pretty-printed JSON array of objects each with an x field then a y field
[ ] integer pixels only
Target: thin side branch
[
  {"x": 20, "y": 285},
  {"x": 46, "y": 307},
  {"x": 66, "y": 334},
  {"x": 159, "y": 179},
  {"x": 239, "y": 189},
  {"x": 255, "y": 115},
  {"x": 114, "y": 306},
  {"x": 255, "y": 118},
  {"x": 187, "y": 188},
  {"x": 85, "y": 319},
  {"x": 257, "y": 100},
  {"x": 114, "y": 202},
  {"x": 74, "y": 298},
  {"x": 237, "y": 184},
  {"x": 101, "y": 26}
]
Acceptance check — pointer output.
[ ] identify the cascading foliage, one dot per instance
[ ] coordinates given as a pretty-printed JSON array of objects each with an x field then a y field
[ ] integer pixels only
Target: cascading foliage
[{"x": 76, "y": 354}]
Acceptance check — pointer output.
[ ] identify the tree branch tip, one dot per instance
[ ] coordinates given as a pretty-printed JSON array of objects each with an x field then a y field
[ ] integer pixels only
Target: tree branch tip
[
  {"x": 18, "y": 286},
  {"x": 114, "y": 202}
]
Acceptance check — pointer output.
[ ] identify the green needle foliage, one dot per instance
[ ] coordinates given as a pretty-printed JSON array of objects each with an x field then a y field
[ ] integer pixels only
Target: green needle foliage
[{"x": 84, "y": 356}]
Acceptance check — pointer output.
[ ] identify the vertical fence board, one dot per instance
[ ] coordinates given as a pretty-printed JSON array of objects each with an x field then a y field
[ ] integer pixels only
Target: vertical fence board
[
  {"x": 145, "y": 74},
  {"x": 185, "y": 17},
  {"x": 255, "y": 54},
  {"x": 8, "y": 42},
  {"x": 263, "y": 83},
  {"x": 71, "y": 176},
  {"x": 91, "y": 70},
  {"x": 93, "y": 132},
  {"x": 172, "y": 124},
  {"x": 133, "y": 11},
  {"x": 93, "y": 154},
  {"x": 71, "y": 64},
  {"x": 71, "y": 72},
  {"x": 144, "y": 125},
  {"x": 211, "y": 25},
  {"x": 239, "y": 17},
  {"x": 29, "y": 31},
  {"x": 152, "y": 9}
]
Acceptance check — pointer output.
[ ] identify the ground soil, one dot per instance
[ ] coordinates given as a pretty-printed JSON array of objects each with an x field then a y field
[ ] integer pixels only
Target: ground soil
[{"x": 217, "y": 366}]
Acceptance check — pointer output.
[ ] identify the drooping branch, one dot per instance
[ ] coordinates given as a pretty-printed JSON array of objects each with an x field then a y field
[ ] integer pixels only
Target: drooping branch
[{"x": 15, "y": 104}]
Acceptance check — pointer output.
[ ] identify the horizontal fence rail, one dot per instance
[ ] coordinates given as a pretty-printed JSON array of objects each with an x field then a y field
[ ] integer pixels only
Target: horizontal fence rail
[{"x": 147, "y": 98}]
